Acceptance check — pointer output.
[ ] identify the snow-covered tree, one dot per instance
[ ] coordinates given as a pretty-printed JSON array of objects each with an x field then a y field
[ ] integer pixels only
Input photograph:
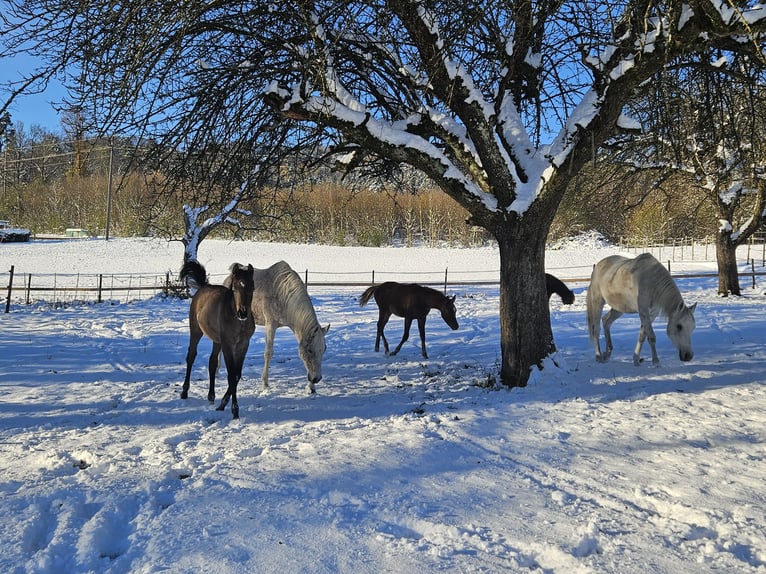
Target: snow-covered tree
[
  {"x": 705, "y": 126},
  {"x": 499, "y": 102}
]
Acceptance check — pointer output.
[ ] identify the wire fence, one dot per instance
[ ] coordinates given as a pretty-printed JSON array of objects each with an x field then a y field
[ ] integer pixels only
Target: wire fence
[{"x": 62, "y": 288}]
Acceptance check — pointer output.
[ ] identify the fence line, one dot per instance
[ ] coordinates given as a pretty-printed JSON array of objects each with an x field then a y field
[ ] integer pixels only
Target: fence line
[{"x": 62, "y": 288}]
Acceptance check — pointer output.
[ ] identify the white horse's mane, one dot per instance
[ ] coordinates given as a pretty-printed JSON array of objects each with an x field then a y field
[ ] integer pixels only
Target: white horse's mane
[
  {"x": 667, "y": 294},
  {"x": 286, "y": 286}
]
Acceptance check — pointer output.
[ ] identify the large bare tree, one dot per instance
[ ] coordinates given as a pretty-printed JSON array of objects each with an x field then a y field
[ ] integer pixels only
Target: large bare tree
[{"x": 499, "y": 102}]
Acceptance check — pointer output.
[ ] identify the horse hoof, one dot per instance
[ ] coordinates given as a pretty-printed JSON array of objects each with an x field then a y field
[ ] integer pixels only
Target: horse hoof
[
  {"x": 220, "y": 407},
  {"x": 184, "y": 395}
]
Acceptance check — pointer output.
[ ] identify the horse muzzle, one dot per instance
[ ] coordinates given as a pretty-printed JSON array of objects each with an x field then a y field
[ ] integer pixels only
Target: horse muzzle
[{"x": 685, "y": 356}]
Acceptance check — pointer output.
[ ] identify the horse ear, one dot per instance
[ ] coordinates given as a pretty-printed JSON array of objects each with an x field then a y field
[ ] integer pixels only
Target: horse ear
[
  {"x": 250, "y": 267},
  {"x": 327, "y": 328},
  {"x": 452, "y": 299},
  {"x": 692, "y": 308}
]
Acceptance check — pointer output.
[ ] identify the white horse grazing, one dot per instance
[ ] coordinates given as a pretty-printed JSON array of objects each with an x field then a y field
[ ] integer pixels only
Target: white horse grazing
[
  {"x": 641, "y": 285},
  {"x": 280, "y": 299}
]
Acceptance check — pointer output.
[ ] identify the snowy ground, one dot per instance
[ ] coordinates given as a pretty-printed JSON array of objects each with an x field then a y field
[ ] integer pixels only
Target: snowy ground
[{"x": 398, "y": 464}]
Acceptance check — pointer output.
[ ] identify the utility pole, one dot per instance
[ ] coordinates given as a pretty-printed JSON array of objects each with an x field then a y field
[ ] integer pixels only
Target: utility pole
[{"x": 109, "y": 187}]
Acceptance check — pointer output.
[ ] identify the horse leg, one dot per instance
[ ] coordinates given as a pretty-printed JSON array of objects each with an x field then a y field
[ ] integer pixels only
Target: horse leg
[
  {"x": 268, "y": 353},
  {"x": 646, "y": 332},
  {"x": 422, "y": 330},
  {"x": 212, "y": 368},
  {"x": 383, "y": 318},
  {"x": 231, "y": 389},
  {"x": 611, "y": 316},
  {"x": 407, "y": 324},
  {"x": 595, "y": 305},
  {"x": 191, "y": 354},
  {"x": 231, "y": 393}
]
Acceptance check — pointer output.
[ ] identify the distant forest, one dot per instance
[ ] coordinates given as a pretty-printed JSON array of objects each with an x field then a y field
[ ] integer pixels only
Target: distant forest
[{"x": 49, "y": 183}]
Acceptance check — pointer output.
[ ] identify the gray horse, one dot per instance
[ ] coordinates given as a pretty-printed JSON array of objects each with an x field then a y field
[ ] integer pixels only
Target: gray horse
[
  {"x": 641, "y": 285},
  {"x": 280, "y": 299}
]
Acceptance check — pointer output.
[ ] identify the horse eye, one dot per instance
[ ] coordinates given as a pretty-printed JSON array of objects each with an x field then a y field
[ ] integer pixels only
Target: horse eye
[{"x": 680, "y": 327}]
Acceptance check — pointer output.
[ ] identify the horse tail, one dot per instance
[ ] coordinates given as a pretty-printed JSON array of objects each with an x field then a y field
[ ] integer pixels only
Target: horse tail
[
  {"x": 194, "y": 274},
  {"x": 556, "y": 285},
  {"x": 368, "y": 293},
  {"x": 593, "y": 308}
]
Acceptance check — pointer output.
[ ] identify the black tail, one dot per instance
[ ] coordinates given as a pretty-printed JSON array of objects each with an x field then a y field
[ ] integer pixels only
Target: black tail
[
  {"x": 369, "y": 292},
  {"x": 194, "y": 274},
  {"x": 555, "y": 285}
]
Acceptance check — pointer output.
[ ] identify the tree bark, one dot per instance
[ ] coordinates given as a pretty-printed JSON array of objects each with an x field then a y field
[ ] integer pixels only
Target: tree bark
[
  {"x": 726, "y": 255},
  {"x": 526, "y": 337}
]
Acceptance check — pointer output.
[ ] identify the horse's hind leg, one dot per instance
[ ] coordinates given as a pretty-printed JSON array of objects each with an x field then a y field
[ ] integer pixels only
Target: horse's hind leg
[
  {"x": 212, "y": 367},
  {"x": 405, "y": 336},
  {"x": 383, "y": 318},
  {"x": 611, "y": 316},
  {"x": 595, "y": 305},
  {"x": 191, "y": 354}
]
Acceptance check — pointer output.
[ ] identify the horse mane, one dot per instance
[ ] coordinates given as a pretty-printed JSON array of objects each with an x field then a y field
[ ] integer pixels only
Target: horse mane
[
  {"x": 433, "y": 291},
  {"x": 291, "y": 291},
  {"x": 667, "y": 294}
]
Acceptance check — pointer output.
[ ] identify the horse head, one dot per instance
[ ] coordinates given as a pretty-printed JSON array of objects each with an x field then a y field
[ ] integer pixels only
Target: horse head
[
  {"x": 680, "y": 326},
  {"x": 311, "y": 348},
  {"x": 242, "y": 286},
  {"x": 448, "y": 311}
]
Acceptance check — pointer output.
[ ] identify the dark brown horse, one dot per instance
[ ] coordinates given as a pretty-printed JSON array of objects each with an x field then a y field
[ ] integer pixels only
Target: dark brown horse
[
  {"x": 410, "y": 301},
  {"x": 223, "y": 314},
  {"x": 556, "y": 285}
]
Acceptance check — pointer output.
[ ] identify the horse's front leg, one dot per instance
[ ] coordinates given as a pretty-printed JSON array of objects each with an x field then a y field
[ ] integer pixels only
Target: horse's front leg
[
  {"x": 646, "y": 332},
  {"x": 234, "y": 374},
  {"x": 405, "y": 336},
  {"x": 191, "y": 354},
  {"x": 422, "y": 330},
  {"x": 231, "y": 393},
  {"x": 268, "y": 353},
  {"x": 212, "y": 368}
]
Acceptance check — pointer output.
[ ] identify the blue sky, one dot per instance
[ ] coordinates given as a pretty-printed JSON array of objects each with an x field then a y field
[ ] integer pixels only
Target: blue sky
[{"x": 36, "y": 109}]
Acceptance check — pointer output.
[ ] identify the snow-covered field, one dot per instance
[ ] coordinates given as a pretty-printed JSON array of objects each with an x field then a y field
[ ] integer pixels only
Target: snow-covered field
[{"x": 397, "y": 464}]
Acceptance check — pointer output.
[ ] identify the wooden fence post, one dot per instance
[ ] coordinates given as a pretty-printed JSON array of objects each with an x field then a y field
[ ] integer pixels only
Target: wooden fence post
[
  {"x": 100, "y": 283},
  {"x": 752, "y": 268},
  {"x": 10, "y": 288}
]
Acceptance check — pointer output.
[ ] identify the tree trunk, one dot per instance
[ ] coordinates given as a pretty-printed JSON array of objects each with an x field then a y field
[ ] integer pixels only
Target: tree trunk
[
  {"x": 726, "y": 255},
  {"x": 526, "y": 337}
]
